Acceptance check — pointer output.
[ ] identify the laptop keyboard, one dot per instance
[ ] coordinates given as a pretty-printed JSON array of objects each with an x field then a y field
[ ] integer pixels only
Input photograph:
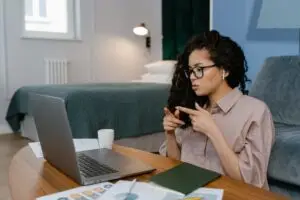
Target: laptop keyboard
[{"x": 91, "y": 168}]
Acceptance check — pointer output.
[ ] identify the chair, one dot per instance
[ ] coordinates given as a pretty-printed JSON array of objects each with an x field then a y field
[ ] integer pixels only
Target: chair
[{"x": 278, "y": 85}]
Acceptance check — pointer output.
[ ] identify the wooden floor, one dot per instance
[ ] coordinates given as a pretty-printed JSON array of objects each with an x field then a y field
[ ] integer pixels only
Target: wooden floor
[{"x": 9, "y": 145}]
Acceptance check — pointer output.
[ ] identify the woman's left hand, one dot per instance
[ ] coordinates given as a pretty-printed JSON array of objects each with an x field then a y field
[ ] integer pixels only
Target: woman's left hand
[{"x": 201, "y": 120}]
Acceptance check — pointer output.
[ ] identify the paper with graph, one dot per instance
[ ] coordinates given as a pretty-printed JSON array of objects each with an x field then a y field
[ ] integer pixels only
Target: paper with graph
[
  {"x": 150, "y": 191},
  {"x": 92, "y": 192}
]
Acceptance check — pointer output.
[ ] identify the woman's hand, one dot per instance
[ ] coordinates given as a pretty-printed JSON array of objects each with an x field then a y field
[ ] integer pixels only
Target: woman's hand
[
  {"x": 201, "y": 120},
  {"x": 171, "y": 121}
]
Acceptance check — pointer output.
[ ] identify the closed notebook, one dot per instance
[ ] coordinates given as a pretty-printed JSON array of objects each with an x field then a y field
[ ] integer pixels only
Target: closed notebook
[{"x": 185, "y": 178}]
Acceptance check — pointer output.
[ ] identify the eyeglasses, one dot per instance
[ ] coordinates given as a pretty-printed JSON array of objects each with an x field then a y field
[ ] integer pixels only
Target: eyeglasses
[{"x": 198, "y": 71}]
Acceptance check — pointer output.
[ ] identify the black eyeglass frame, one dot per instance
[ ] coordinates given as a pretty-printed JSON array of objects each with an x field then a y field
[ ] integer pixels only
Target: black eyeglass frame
[{"x": 189, "y": 70}]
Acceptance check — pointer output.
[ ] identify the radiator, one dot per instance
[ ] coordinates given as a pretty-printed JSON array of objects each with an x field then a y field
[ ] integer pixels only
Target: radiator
[{"x": 56, "y": 71}]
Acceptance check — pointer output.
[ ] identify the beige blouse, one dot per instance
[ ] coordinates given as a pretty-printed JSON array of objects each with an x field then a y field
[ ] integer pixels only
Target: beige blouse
[{"x": 249, "y": 130}]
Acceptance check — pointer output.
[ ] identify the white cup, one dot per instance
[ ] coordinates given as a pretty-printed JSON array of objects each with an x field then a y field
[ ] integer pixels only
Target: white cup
[{"x": 106, "y": 138}]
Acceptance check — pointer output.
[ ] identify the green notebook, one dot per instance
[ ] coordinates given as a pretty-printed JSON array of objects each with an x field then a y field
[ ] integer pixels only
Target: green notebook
[{"x": 185, "y": 178}]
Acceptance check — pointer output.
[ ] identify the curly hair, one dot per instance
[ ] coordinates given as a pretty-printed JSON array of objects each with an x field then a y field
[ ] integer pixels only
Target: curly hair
[{"x": 224, "y": 52}]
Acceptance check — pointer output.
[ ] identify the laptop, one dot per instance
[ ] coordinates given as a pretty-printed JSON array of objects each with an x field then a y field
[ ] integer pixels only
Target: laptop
[{"x": 86, "y": 167}]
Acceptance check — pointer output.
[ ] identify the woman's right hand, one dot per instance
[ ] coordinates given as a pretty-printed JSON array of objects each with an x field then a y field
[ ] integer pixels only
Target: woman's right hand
[{"x": 171, "y": 121}]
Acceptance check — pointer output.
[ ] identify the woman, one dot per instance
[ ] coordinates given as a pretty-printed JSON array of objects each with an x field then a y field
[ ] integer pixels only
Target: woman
[{"x": 209, "y": 122}]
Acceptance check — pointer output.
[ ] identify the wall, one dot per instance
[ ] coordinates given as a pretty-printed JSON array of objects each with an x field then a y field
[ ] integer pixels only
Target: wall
[
  {"x": 121, "y": 53},
  {"x": 238, "y": 19},
  {"x": 3, "y": 103},
  {"x": 109, "y": 51},
  {"x": 228, "y": 17}
]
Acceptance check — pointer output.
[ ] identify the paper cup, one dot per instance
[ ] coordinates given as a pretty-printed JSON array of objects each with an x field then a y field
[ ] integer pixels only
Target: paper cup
[{"x": 106, "y": 138}]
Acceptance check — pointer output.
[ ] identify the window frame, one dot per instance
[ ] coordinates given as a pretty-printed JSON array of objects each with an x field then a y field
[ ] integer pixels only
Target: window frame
[
  {"x": 73, "y": 24},
  {"x": 35, "y": 13}
]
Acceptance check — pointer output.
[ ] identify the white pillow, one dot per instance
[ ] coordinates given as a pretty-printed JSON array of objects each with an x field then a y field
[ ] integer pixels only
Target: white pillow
[
  {"x": 161, "y": 67},
  {"x": 156, "y": 78}
]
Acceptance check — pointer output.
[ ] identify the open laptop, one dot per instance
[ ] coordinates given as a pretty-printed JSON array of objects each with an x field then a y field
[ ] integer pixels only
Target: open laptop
[{"x": 87, "y": 167}]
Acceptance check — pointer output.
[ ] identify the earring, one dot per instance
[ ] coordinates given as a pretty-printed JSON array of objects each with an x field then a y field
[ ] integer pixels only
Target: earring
[{"x": 223, "y": 76}]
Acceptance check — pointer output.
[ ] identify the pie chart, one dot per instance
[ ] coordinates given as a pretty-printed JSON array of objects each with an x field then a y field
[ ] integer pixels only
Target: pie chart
[{"x": 127, "y": 196}]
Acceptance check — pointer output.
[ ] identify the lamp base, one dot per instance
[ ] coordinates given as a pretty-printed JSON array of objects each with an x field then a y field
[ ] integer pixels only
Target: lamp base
[{"x": 148, "y": 41}]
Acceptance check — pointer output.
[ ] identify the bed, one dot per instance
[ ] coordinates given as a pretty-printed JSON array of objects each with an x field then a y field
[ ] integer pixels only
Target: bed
[{"x": 134, "y": 110}]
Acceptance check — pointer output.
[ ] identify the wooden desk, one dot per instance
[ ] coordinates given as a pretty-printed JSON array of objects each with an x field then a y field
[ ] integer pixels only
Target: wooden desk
[{"x": 30, "y": 177}]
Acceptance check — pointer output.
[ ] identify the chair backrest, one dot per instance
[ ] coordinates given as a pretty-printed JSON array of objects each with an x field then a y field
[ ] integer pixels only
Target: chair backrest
[{"x": 278, "y": 85}]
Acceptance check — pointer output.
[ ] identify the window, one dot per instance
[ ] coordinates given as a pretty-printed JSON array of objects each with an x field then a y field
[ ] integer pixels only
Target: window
[
  {"x": 53, "y": 19},
  {"x": 35, "y": 10}
]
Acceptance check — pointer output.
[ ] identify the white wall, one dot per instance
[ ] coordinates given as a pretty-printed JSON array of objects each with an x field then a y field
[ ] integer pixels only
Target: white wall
[
  {"x": 3, "y": 103},
  {"x": 109, "y": 51},
  {"x": 117, "y": 50}
]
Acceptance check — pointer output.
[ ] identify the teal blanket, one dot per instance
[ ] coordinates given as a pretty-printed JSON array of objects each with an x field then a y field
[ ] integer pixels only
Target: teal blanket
[{"x": 132, "y": 109}]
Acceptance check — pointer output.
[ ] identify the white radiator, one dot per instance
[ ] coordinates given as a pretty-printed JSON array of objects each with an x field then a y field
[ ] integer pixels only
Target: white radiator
[{"x": 56, "y": 71}]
